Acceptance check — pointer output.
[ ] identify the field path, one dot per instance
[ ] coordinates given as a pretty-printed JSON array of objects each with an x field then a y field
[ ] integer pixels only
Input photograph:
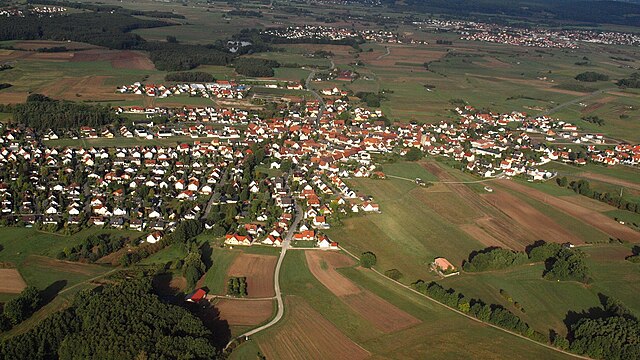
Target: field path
[{"x": 469, "y": 316}]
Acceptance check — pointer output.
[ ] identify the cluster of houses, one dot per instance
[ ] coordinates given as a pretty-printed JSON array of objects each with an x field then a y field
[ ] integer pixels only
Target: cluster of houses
[
  {"x": 221, "y": 89},
  {"x": 40, "y": 10},
  {"x": 333, "y": 34}
]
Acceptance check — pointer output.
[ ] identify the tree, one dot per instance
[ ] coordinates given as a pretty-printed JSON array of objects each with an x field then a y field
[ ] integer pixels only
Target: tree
[
  {"x": 414, "y": 154},
  {"x": 563, "y": 182},
  {"x": 368, "y": 259}
]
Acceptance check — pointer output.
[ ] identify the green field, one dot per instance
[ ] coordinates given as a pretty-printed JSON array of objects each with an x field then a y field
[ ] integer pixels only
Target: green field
[
  {"x": 215, "y": 277},
  {"x": 408, "y": 234}
]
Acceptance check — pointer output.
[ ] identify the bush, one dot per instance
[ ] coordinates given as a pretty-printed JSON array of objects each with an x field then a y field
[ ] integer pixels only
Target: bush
[
  {"x": 368, "y": 259},
  {"x": 394, "y": 274},
  {"x": 591, "y": 76},
  {"x": 493, "y": 259}
]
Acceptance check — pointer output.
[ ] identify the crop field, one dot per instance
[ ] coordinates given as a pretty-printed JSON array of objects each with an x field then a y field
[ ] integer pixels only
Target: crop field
[
  {"x": 591, "y": 217},
  {"x": 258, "y": 269},
  {"x": 407, "y": 235},
  {"x": 11, "y": 281},
  {"x": 381, "y": 314},
  {"x": 244, "y": 313}
]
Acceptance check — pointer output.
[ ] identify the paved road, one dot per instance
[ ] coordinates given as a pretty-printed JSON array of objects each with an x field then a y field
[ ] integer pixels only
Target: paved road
[{"x": 276, "y": 279}]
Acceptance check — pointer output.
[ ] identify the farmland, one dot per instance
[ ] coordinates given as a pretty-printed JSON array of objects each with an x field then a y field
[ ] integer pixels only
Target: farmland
[{"x": 305, "y": 294}]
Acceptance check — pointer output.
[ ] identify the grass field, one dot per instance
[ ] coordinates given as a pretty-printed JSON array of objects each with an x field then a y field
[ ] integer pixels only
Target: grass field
[
  {"x": 407, "y": 235},
  {"x": 215, "y": 277}
]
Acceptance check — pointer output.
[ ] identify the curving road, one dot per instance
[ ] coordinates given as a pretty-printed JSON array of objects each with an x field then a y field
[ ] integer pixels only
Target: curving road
[{"x": 276, "y": 280}]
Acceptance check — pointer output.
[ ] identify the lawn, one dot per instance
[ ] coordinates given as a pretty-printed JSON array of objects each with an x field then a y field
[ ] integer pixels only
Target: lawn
[
  {"x": 215, "y": 277},
  {"x": 409, "y": 170}
]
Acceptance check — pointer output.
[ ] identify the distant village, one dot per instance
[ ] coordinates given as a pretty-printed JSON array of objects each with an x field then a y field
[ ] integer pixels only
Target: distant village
[
  {"x": 333, "y": 34},
  {"x": 537, "y": 37}
]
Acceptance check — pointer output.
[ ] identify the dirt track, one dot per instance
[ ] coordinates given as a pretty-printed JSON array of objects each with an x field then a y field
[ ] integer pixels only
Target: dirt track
[
  {"x": 593, "y": 218},
  {"x": 259, "y": 270},
  {"x": 11, "y": 281},
  {"x": 239, "y": 312}
]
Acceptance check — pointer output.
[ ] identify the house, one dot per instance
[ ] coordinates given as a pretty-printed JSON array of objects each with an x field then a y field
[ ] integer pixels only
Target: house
[
  {"x": 370, "y": 207},
  {"x": 154, "y": 237},
  {"x": 196, "y": 296},
  {"x": 442, "y": 264},
  {"x": 272, "y": 240},
  {"x": 235, "y": 239}
]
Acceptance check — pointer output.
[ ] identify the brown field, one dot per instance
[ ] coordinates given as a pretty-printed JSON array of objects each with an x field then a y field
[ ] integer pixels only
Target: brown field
[
  {"x": 610, "y": 180},
  {"x": 540, "y": 225},
  {"x": 476, "y": 232},
  {"x": 329, "y": 277},
  {"x": 380, "y": 313},
  {"x": 591, "y": 217},
  {"x": 78, "y": 88},
  {"x": 307, "y": 335},
  {"x": 120, "y": 59},
  {"x": 259, "y": 271},
  {"x": 244, "y": 312},
  {"x": 11, "y": 281},
  {"x": 497, "y": 228},
  {"x": 59, "y": 265}
]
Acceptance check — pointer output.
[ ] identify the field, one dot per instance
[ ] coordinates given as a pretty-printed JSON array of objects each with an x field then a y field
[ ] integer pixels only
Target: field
[
  {"x": 312, "y": 311},
  {"x": 11, "y": 282},
  {"x": 308, "y": 335},
  {"x": 591, "y": 217},
  {"x": 243, "y": 312},
  {"x": 258, "y": 269}
]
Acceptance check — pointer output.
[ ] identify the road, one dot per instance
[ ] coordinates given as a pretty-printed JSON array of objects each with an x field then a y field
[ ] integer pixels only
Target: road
[
  {"x": 276, "y": 280},
  {"x": 497, "y": 177},
  {"x": 575, "y": 101},
  {"x": 387, "y": 53}
]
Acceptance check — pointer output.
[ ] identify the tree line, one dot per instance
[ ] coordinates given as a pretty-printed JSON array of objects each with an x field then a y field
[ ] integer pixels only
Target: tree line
[
  {"x": 120, "y": 321},
  {"x": 583, "y": 187},
  {"x": 93, "y": 248},
  {"x": 20, "y": 308},
  {"x": 237, "y": 286},
  {"x": 591, "y": 76},
  {"x": 633, "y": 81},
  {"x": 491, "y": 313},
  {"x": 255, "y": 67}
]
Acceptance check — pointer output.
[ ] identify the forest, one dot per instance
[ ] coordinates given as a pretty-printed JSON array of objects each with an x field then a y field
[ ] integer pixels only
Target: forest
[
  {"x": 42, "y": 113},
  {"x": 120, "y": 321},
  {"x": 190, "y": 76}
]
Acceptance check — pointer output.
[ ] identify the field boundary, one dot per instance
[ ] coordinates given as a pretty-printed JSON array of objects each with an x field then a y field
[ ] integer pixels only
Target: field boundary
[{"x": 469, "y": 316}]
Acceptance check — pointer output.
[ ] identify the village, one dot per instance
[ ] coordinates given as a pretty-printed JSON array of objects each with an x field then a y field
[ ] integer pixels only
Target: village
[
  {"x": 152, "y": 188},
  {"x": 333, "y": 34}
]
